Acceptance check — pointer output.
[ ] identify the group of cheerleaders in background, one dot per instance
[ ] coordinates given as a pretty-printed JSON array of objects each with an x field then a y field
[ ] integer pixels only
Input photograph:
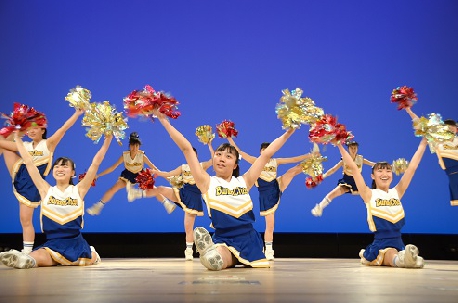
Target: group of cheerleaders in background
[{"x": 226, "y": 194}]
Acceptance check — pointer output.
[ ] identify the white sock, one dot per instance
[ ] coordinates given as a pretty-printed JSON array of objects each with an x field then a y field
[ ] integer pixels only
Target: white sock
[
  {"x": 28, "y": 246},
  {"x": 325, "y": 202},
  {"x": 269, "y": 245},
  {"x": 189, "y": 244},
  {"x": 396, "y": 261}
]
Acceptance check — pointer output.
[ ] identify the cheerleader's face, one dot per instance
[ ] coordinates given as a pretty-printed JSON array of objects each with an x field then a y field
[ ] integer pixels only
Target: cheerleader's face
[
  {"x": 452, "y": 128},
  {"x": 383, "y": 177},
  {"x": 35, "y": 133},
  {"x": 353, "y": 150},
  {"x": 224, "y": 163},
  {"x": 63, "y": 171},
  {"x": 134, "y": 148}
]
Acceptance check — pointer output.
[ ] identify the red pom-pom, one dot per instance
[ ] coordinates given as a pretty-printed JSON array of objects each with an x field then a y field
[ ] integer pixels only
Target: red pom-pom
[
  {"x": 226, "y": 129},
  {"x": 22, "y": 118},
  {"x": 327, "y": 130},
  {"x": 312, "y": 182},
  {"x": 145, "y": 102},
  {"x": 146, "y": 179},
  {"x": 81, "y": 176},
  {"x": 404, "y": 96}
]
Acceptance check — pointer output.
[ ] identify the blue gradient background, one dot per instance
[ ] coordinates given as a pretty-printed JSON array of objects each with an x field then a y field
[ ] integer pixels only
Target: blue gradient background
[{"x": 231, "y": 60}]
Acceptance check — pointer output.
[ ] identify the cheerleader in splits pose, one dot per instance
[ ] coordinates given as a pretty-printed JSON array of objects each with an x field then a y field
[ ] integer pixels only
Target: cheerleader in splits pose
[
  {"x": 41, "y": 149},
  {"x": 447, "y": 153},
  {"x": 346, "y": 184},
  {"x": 62, "y": 210},
  {"x": 385, "y": 214},
  {"x": 229, "y": 205},
  {"x": 188, "y": 197},
  {"x": 133, "y": 160},
  {"x": 271, "y": 188}
]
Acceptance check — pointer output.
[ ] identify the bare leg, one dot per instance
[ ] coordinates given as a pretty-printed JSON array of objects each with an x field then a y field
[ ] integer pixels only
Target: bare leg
[
  {"x": 389, "y": 256},
  {"x": 26, "y": 216},
  {"x": 42, "y": 258},
  {"x": 160, "y": 191},
  {"x": 108, "y": 195},
  {"x": 228, "y": 258},
  {"x": 189, "y": 220}
]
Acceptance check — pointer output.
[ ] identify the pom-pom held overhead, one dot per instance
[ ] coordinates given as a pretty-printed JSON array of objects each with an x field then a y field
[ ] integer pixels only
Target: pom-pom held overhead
[
  {"x": 404, "y": 96},
  {"x": 433, "y": 129},
  {"x": 226, "y": 129},
  {"x": 81, "y": 177},
  {"x": 79, "y": 98},
  {"x": 22, "y": 118},
  {"x": 146, "y": 179},
  {"x": 293, "y": 110},
  {"x": 146, "y": 101},
  {"x": 399, "y": 166},
  {"x": 205, "y": 133},
  {"x": 313, "y": 166},
  {"x": 327, "y": 130},
  {"x": 102, "y": 119}
]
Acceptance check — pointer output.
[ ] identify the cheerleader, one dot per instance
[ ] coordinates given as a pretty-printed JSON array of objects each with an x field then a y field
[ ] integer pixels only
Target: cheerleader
[
  {"x": 188, "y": 197},
  {"x": 271, "y": 188},
  {"x": 41, "y": 149},
  {"x": 385, "y": 213},
  {"x": 133, "y": 161},
  {"x": 62, "y": 210},
  {"x": 229, "y": 204},
  {"x": 346, "y": 184}
]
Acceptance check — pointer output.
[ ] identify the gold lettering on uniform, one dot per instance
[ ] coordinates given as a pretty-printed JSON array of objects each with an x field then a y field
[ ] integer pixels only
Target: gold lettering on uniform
[
  {"x": 270, "y": 169},
  {"x": 134, "y": 164},
  {"x": 36, "y": 153},
  {"x": 67, "y": 202},
  {"x": 223, "y": 191},
  {"x": 390, "y": 202}
]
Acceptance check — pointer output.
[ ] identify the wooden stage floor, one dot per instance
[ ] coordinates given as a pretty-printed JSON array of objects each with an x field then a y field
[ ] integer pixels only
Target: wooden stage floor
[{"x": 176, "y": 280}]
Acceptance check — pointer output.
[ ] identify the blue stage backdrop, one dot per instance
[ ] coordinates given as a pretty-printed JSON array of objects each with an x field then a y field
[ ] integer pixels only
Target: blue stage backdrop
[{"x": 231, "y": 60}]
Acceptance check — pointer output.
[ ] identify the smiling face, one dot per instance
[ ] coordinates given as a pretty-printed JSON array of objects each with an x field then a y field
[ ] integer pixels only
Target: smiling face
[
  {"x": 35, "y": 133},
  {"x": 225, "y": 161},
  {"x": 382, "y": 175},
  {"x": 63, "y": 170}
]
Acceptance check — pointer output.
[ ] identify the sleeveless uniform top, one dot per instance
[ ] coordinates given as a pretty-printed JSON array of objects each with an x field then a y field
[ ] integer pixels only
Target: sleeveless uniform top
[
  {"x": 359, "y": 160},
  {"x": 186, "y": 174},
  {"x": 40, "y": 155},
  {"x": 385, "y": 214},
  {"x": 62, "y": 213},
  {"x": 448, "y": 150},
  {"x": 269, "y": 172},
  {"x": 134, "y": 165},
  {"x": 229, "y": 203}
]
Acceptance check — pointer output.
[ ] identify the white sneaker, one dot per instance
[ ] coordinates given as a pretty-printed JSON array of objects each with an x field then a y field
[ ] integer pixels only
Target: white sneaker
[
  {"x": 95, "y": 209},
  {"x": 168, "y": 205},
  {"x": 209, "y": 256},
  {"x": 98, "y": 260},
  {"x": 408, "y": 257},
  {"x": 269, "y": 254},
  {"x": 134, "y": 194},
  {"x": 317, "y": 211},
  {"x": 189, "y": 254},
  {"x": 17, "y": 259}
]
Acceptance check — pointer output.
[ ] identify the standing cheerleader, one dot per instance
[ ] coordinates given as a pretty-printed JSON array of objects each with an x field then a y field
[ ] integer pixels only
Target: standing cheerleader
[
  {"x": 188, "y": 197},
  {"x": 133, "y": 160},
  {"x": 271, "y": 188},
  {"x": 385, "y": 213},
  {"x": 41, "y": 149},
  {"x": 62, "y": 210},
  {"x": 346, "y": 184}
]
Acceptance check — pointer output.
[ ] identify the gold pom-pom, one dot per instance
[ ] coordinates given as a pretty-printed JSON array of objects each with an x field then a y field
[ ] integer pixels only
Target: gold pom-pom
[
  {"x": 399, "y": 166},
  {"x": 313, "y": 166},
  {"x": 102, "y": 119},
  {"x": 433, "y": 129},
  {"x": 204, "y": 133},
  {"x": 176, "y": 181},
  {"x": 79, "y": 98}
]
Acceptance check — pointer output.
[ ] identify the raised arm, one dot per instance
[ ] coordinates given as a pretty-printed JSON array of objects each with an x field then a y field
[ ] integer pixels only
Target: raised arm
[
  {"x": 149, "y": 163},
  {"x": 363, "y": 190},
  {"x": 112, "y": 167},
  {"x": 411, "y": 168},
  {"x": 59, "y": 134},
  {"x": 39, "y": 182},
  {"x": 367, "y": 162},
  {"x": 176, "y": 172},
  {"x": 294, "y": 159},
  {"x": 333, "y": 169},
  {"x": 200, "y": 176},
  {"x": 85, "y": 183},
  {"x": 248, "y": 158},
  {"x": 412, "y": 115},
  {"x": 256, "y": 168},
  {"x": 209, "y": 162}
]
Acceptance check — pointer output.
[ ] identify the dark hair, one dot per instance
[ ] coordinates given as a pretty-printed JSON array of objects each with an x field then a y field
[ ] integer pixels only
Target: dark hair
[
  {"x": 450, "y": 122},
  {"x": 44, "y": 135},
  {"x": 264, "y": 145},
  {"x": 65, "y": 161},
  {"x": 351, "y": 143},
  {"x": 134, "y": 138},
  {"x": 232, "y": 150},
  {"x": 379, "y": 165}
]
